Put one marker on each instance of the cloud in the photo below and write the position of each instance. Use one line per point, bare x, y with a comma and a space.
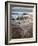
21, 10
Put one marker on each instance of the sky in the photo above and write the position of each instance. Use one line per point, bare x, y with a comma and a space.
19, 11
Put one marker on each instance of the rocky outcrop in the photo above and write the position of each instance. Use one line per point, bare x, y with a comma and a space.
22, 28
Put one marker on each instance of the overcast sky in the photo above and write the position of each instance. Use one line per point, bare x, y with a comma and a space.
21, 10
15, 11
